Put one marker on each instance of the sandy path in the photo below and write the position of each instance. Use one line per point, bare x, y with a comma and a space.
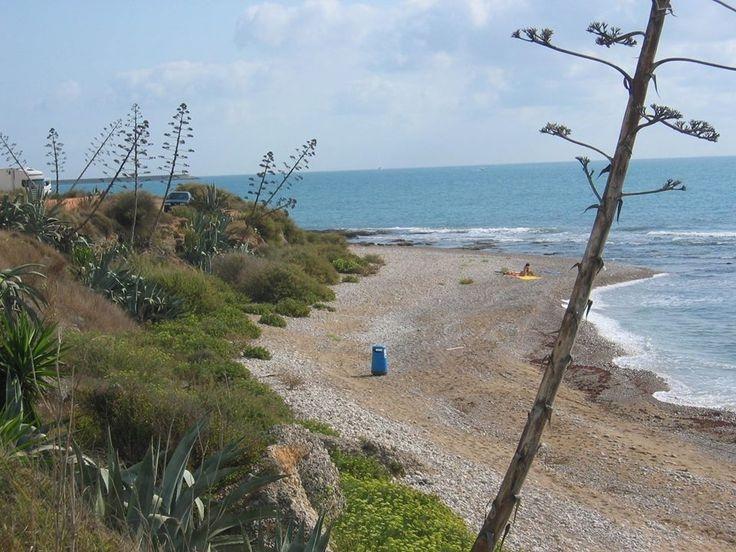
621, 472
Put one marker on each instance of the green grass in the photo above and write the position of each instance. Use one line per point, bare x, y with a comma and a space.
350, 279
30, 512
315, 426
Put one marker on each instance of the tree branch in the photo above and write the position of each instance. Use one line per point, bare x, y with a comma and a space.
608, 36
584, 161
544, 38
561, 131
719, 2
691, 60
697, 129
669, 186
659, 113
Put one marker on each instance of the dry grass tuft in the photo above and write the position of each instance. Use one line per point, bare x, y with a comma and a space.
70, 304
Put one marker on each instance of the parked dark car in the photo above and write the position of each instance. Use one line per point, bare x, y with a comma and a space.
177, 198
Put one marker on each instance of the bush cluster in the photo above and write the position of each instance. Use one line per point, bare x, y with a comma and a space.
385, 516
154, 383
291, 307
255, 351
121, 209
266, 281
270, 319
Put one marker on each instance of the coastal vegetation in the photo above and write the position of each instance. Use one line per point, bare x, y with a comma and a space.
384, 516
125, 399
608, 207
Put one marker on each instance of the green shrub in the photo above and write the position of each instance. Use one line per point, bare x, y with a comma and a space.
201, 293
347, 266
122, 209
372, 258
138, 410
315, 426
323, 306
292, 307
206, 370
350, 279
96, 355
144, 497
270, 319
266, 281
309, 258
359, 466
382, 516
257, 308
254, 351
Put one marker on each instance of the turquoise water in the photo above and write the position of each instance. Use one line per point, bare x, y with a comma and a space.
681, 325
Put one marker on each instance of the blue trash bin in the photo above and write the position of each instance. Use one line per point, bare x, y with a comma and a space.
379, 361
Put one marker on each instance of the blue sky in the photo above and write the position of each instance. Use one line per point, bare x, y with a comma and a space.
390, 84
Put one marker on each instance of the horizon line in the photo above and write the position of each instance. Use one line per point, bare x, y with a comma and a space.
408, 168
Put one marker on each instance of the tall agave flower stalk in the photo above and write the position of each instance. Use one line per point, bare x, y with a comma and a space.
56, 156
609, 202
177, 154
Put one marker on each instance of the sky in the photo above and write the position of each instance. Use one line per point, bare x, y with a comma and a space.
406, 83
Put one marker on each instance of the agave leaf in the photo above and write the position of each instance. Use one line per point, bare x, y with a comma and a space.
213, 530
252, 485
144, 484
174, 471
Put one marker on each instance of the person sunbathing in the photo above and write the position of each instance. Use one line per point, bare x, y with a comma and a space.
526, 271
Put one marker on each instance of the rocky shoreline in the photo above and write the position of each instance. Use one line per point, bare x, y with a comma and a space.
619, 470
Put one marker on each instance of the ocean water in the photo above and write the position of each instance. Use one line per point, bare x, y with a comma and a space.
681, 325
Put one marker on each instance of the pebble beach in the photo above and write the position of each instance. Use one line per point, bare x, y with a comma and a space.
618, 470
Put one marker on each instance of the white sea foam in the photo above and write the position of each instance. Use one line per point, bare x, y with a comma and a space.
691, 234
466, 236
642, 354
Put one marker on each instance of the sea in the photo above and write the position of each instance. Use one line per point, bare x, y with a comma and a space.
680, 325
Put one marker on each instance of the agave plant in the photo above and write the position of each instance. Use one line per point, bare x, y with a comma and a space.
166, 507
18, 437
19, 296
28, 214
293, 539
29, 353
143, 299
206, 237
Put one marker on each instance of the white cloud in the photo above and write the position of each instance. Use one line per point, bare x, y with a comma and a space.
423, 82
69, 90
